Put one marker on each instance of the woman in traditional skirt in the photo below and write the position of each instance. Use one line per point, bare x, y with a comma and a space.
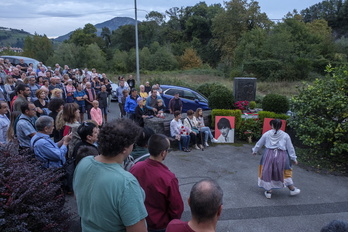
275, 170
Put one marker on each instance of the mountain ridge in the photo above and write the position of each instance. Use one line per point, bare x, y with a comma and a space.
112, 24
15, 37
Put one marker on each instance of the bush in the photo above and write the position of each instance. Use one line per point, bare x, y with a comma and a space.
221, 112
275, 103
252, 105
320, 118
268, 114
221, 99
31, 198
208, 88
250, 127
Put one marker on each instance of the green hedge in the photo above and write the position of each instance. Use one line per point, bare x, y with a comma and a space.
221, 112
268, 114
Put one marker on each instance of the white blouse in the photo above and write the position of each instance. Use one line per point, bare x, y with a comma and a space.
281, 141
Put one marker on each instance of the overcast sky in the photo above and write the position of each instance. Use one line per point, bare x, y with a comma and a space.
56, 18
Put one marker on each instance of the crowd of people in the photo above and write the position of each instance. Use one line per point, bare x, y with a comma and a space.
48, 109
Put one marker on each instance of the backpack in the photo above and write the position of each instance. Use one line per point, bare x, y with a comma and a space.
130, 161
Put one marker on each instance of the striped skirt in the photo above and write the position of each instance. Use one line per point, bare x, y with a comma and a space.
275, 170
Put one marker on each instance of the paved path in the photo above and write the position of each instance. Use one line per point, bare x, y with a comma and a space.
323, 198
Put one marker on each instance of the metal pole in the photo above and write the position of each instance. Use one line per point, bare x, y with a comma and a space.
136, 43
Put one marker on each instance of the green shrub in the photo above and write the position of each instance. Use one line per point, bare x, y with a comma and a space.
221, 99
275, 103
252, 105
222, 112
268, 114
320, 119
208, 88
250, 127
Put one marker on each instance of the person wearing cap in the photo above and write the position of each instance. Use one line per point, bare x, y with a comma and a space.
141, 112
131, 104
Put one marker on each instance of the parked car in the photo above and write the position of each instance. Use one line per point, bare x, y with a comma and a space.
190, 98
114, 91
15, 60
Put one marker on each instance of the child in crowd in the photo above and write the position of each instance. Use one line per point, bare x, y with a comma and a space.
160, 108
96, 113
125, 93
103, 102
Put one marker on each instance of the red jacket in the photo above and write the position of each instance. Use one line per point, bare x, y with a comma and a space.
163, 200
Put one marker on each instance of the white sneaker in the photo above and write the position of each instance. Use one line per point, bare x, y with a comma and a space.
268, 195
213, 140
197, 147
206, 144
294, 192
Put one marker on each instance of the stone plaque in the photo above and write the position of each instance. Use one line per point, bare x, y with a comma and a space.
244, 89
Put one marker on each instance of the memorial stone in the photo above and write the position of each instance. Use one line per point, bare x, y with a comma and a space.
244, 89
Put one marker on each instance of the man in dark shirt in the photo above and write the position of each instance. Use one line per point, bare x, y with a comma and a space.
131, 82
175, 104
24, 66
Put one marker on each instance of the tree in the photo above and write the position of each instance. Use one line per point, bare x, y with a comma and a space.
94, 57
123, 38
321, 114
163, 59
106, 35
190, 59
119, 61
67, 53
241, 17
156, 17
38, 47
85, 36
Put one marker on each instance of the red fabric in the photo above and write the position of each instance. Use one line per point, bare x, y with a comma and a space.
66, 130
177, 225
163, 200
12, 102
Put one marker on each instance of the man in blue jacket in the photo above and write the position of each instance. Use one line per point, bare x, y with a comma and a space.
131, 104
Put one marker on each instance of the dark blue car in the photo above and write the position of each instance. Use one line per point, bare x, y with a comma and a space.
190, 98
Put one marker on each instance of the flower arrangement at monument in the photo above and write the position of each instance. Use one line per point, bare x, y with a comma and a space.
242, 105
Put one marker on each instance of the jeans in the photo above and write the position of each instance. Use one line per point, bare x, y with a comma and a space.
207, 133
184, 142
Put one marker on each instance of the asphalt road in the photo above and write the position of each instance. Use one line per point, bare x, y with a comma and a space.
323, 198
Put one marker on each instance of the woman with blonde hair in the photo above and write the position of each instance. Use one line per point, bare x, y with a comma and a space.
204, 129
57, 93
41, 104
10, 87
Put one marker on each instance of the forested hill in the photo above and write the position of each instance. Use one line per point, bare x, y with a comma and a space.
12, 37
335, 12
112, 24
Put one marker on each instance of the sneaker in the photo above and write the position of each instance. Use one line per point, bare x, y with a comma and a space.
206, 144
197, 147
214, 140
201, 146
268, 195
295, 192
